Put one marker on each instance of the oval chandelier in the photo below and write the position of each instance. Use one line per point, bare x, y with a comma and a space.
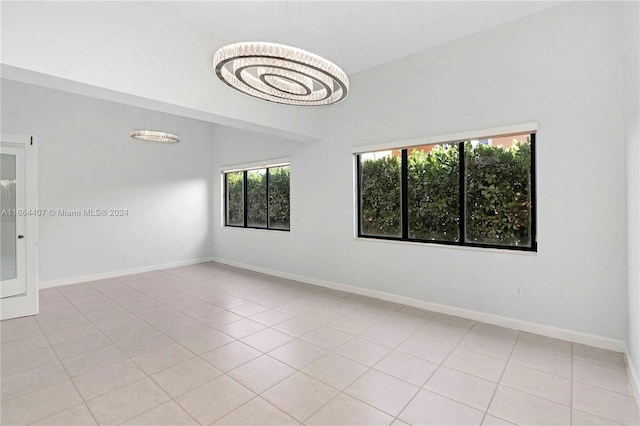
279, 73
154, 136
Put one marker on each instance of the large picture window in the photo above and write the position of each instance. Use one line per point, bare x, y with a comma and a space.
478, 192
258, 198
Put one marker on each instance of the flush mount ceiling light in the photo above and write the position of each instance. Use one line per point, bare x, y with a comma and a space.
154, 136
280, 73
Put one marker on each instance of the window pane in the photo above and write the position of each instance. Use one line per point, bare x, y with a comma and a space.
380, 194
235, 199
257, 198
433, 192
279, 197
8, 223
498, 191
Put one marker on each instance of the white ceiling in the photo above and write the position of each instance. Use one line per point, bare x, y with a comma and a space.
158, 54
356, 35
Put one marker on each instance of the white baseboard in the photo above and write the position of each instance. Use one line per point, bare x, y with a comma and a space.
545, 330
633, 374
119, 273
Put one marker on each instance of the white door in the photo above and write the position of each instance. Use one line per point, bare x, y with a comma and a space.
18, 227
12, 222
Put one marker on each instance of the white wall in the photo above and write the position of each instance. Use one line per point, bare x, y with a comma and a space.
560, 68
632, 136
87, 160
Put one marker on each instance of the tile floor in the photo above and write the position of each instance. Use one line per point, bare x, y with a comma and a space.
210, 344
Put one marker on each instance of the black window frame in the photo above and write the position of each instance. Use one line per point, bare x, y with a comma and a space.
245, 196
404, 203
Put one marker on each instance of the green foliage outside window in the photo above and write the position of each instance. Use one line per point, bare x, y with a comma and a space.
434, 198
257, 198
235, 199
498, 194
279, 203
380, 194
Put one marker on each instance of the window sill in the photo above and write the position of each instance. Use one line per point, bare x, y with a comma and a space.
449, 246
271, 231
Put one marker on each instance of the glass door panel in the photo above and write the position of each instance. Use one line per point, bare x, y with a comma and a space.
12, 223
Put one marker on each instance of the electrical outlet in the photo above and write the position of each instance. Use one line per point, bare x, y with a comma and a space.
519, 292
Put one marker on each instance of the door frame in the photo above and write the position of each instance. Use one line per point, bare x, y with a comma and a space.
28, 303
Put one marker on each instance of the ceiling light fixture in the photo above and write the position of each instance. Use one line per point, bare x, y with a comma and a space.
279, 73
154, 136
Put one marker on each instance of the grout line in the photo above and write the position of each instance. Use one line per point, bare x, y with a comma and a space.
571, 388
626, 395
332, 351
257, 395
597, 364
596, 416
513, 348
440, 364
235, 409
534, 395
369, 368
153, 408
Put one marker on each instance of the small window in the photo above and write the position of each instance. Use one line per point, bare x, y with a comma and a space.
279, 204
235, 198
498, 194
433, 190
258, 198
478, 192
380, 195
